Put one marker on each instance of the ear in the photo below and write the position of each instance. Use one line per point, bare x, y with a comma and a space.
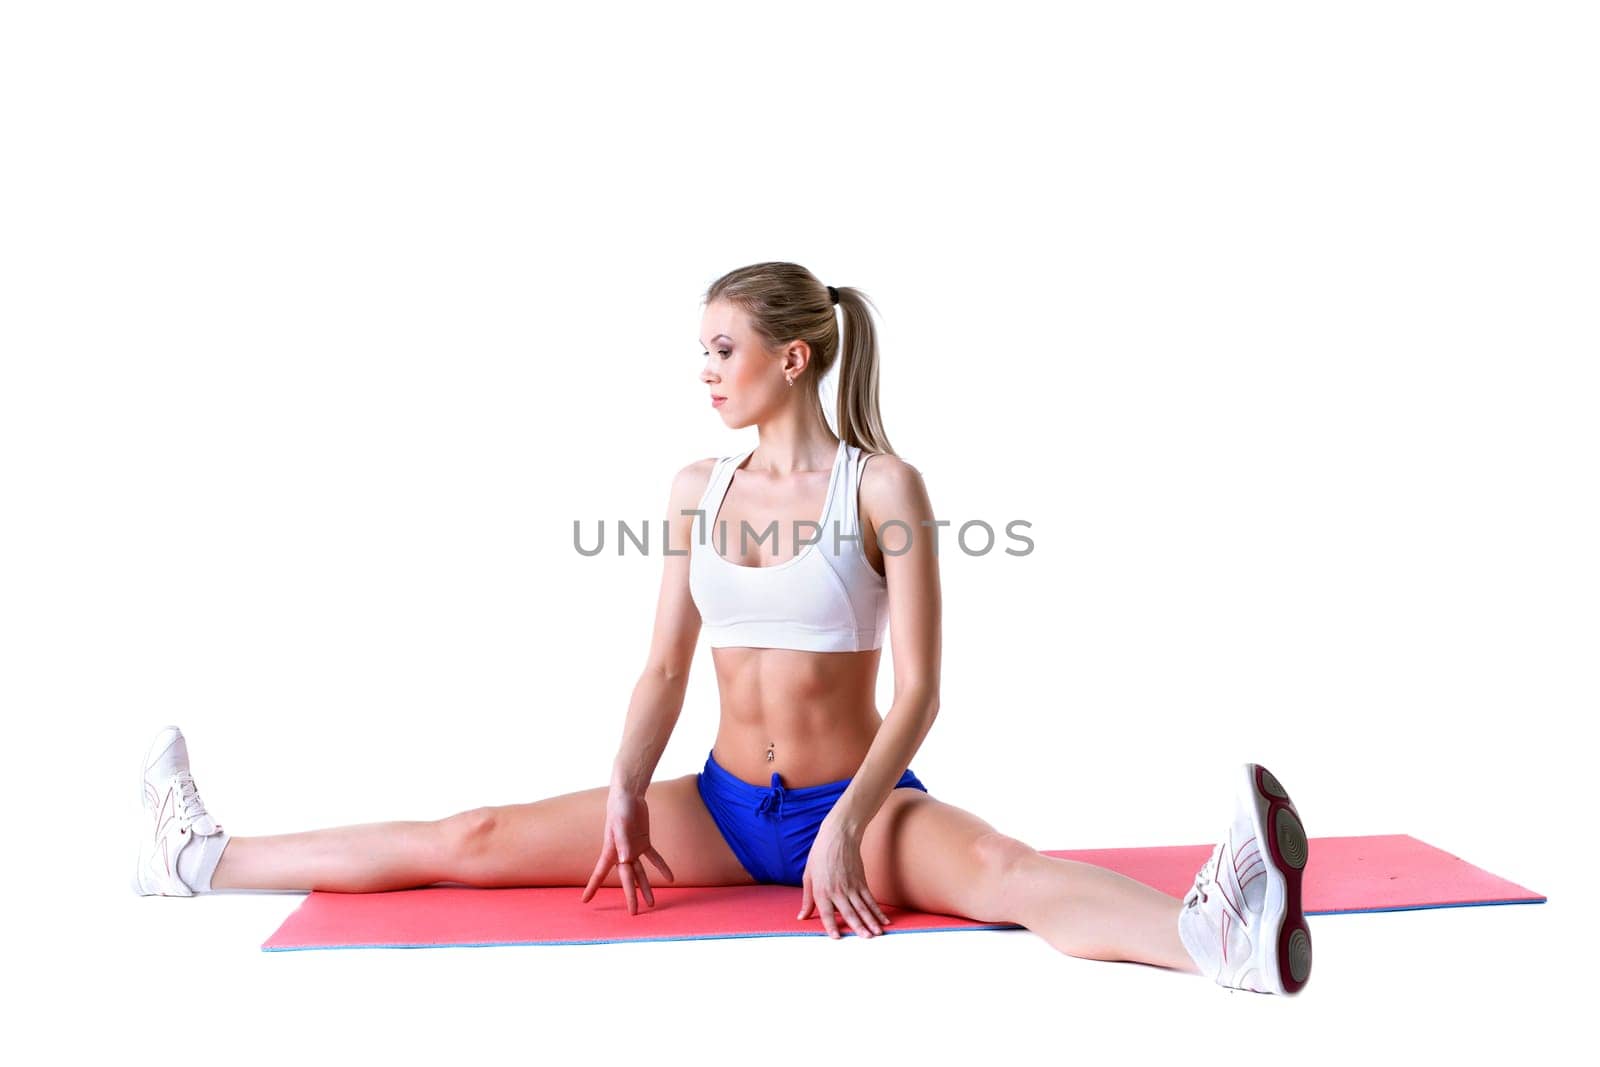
796, 357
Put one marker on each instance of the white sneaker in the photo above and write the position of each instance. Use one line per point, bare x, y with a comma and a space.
178, 817
1242, 920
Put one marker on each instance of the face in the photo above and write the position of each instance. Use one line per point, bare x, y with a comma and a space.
740, 368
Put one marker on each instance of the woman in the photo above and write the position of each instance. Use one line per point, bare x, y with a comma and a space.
796, 625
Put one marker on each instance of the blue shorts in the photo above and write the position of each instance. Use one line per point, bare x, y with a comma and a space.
771, 830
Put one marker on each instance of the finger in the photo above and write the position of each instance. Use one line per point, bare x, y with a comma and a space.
644, 882
805, 898
876, 909
858, 898
629, 890
848, 910
661, 864
600, 868
825, 909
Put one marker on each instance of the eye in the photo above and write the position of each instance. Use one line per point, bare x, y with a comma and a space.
723, 352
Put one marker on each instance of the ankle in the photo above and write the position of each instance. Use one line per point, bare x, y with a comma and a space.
197, 864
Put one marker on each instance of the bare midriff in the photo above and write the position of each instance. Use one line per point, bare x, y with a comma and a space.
814, 711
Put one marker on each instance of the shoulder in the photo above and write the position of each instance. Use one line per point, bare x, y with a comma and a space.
887, 469
891, 486
699, 470
691, 481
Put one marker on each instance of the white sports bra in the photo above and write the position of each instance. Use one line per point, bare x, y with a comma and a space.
826, 598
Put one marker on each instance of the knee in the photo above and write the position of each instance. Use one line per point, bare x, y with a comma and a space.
998, 856
1000, 862
468, 834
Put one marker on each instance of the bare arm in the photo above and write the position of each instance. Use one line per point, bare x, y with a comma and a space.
893, 489
658, 695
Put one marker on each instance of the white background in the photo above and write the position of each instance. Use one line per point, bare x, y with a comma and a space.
323, 322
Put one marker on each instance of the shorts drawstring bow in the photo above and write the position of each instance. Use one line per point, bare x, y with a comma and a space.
771, 830
772, 799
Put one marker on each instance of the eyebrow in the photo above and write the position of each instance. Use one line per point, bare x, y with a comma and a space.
719, 337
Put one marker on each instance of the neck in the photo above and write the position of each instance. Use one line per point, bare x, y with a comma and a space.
797, 439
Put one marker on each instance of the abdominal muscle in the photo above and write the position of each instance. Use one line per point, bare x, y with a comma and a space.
814, 710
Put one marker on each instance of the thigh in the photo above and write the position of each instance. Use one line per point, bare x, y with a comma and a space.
557, 841
927, 855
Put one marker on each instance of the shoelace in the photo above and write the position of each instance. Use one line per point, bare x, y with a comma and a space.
189, 797
1205, 877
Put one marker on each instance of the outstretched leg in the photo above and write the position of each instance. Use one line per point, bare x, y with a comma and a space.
925, 854
367, 858
550, 842
553, 842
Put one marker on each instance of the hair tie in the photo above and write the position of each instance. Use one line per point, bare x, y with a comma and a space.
833, 294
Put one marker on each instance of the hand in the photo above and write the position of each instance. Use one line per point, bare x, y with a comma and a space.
625, 845
834, 878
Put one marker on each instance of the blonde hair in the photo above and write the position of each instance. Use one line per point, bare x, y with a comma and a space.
788, 303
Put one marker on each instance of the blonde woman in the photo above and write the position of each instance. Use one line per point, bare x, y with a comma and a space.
806, 783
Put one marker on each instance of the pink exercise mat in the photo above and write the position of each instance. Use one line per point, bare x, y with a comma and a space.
1389, 872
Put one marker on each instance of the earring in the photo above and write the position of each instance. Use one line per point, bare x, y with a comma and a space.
788, 379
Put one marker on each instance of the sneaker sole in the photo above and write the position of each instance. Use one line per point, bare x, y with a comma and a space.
1285, 954
137, 881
